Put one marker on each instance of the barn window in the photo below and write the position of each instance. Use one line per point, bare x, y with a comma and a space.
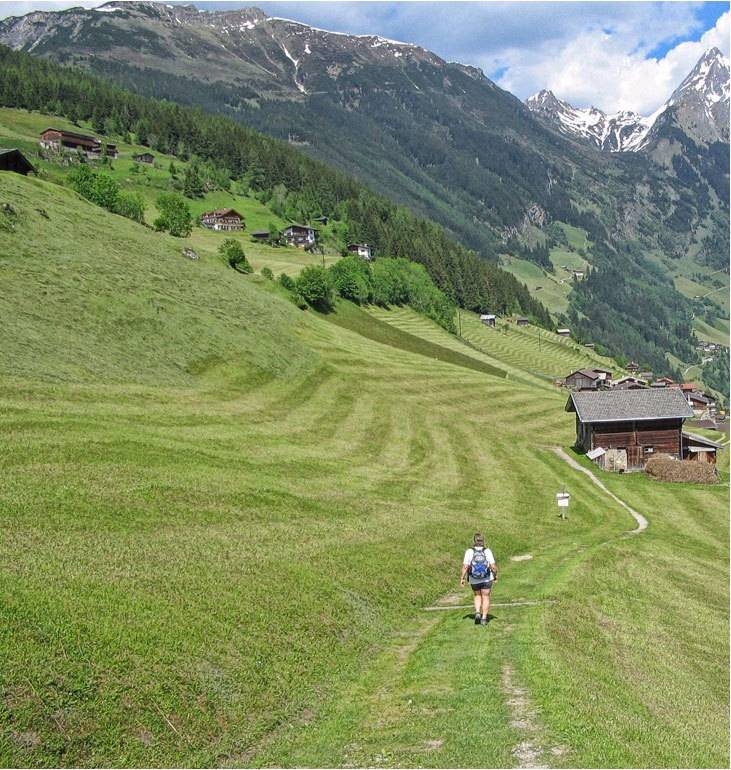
649, 450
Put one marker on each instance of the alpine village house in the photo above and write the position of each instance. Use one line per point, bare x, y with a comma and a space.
588, 379
302, 236
362, 250
621, 429
227, 220
56, 140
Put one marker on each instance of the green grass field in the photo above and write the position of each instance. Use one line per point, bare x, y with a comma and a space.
551, 290
223, 518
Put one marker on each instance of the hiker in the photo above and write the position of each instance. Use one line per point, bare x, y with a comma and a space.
479, 564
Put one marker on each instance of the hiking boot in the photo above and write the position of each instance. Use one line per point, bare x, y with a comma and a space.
477, 618
484, 621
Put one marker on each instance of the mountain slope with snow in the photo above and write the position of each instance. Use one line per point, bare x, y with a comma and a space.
616, 132
700, 107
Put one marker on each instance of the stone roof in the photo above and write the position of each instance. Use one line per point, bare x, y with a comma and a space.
620, 405
592, 374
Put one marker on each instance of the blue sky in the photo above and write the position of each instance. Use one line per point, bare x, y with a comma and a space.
614, 55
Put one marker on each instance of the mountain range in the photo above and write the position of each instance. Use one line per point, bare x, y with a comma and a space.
700, 105
443, 139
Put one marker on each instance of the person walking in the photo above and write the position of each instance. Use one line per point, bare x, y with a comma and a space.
480, 568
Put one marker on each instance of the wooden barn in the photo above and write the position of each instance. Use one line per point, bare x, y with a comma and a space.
699, 448
588, 379
488, 319
362, 250
225, 220
630, 426
629, 382
301, 236
56, 140
14, 160
144, 157
523, 322
563, 332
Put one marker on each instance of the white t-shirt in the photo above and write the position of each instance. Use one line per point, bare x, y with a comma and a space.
470, 552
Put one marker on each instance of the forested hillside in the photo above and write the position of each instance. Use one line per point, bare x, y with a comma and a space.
441, 139
267, 167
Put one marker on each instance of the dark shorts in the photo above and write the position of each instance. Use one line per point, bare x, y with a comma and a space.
480, 586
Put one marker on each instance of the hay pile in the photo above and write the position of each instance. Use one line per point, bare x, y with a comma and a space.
665, 468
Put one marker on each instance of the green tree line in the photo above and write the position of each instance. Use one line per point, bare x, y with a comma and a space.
260, 164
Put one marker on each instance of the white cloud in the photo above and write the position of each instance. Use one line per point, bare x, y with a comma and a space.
609, 70
21, 7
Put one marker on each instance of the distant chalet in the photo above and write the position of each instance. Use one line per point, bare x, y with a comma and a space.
226, 220
144, 157
14, 160
301, 236
488, 319
629, 382
362, 250
622, 429
523, 322
588, 379
55, 139
563, 332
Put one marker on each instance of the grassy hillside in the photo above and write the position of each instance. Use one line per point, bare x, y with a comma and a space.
20, 128
223, 518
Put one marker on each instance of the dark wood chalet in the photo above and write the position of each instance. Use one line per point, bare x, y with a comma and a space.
488, 319
227, 220
144, 157
588, 379
622, 429
56, 140
14, 160
523, 322
629, 382
302, 236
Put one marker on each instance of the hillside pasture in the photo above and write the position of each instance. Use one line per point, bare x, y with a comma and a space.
223, 518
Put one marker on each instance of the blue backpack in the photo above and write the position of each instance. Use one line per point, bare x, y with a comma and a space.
479, 568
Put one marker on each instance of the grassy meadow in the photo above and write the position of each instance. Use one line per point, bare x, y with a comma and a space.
223, 518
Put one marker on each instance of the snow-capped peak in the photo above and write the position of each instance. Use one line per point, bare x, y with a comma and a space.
700, 104
623, 130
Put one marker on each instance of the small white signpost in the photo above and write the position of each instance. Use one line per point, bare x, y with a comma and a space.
562, 498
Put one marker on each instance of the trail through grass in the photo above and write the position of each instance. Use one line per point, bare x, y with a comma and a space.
223, 517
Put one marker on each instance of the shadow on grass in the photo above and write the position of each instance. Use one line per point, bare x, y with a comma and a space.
350, 316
